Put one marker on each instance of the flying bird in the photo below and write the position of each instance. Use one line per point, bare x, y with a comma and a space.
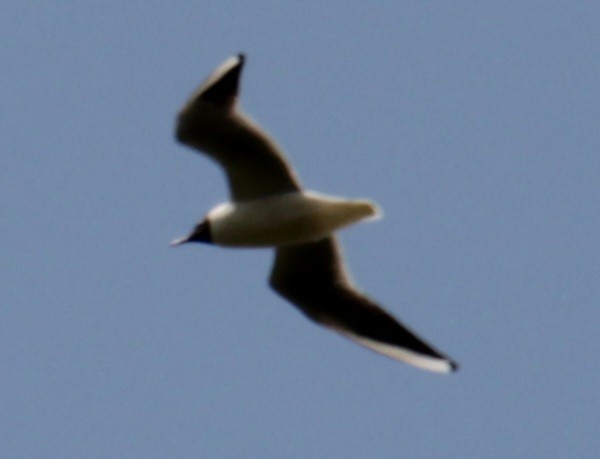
268, 207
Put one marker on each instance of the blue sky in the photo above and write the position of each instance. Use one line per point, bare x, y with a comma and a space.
474, 126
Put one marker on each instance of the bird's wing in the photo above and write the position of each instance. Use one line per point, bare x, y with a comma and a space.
312, 276
212, 123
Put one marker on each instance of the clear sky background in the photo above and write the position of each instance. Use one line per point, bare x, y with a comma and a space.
475, 126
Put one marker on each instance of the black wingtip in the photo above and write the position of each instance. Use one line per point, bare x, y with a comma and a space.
225, 86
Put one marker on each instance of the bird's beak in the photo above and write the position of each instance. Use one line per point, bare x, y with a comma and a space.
179, 241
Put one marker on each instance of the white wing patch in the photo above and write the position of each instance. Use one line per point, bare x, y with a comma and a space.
403, 354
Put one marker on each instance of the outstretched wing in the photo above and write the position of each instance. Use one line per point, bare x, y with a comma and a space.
312, 276
212, 123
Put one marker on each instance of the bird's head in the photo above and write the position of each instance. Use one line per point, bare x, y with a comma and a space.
201, 233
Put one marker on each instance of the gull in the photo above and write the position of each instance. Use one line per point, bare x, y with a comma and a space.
268, 207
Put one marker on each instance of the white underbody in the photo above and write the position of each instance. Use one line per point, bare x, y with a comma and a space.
290, 218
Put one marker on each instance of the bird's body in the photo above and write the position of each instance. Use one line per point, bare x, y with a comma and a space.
269, 208
282, 219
